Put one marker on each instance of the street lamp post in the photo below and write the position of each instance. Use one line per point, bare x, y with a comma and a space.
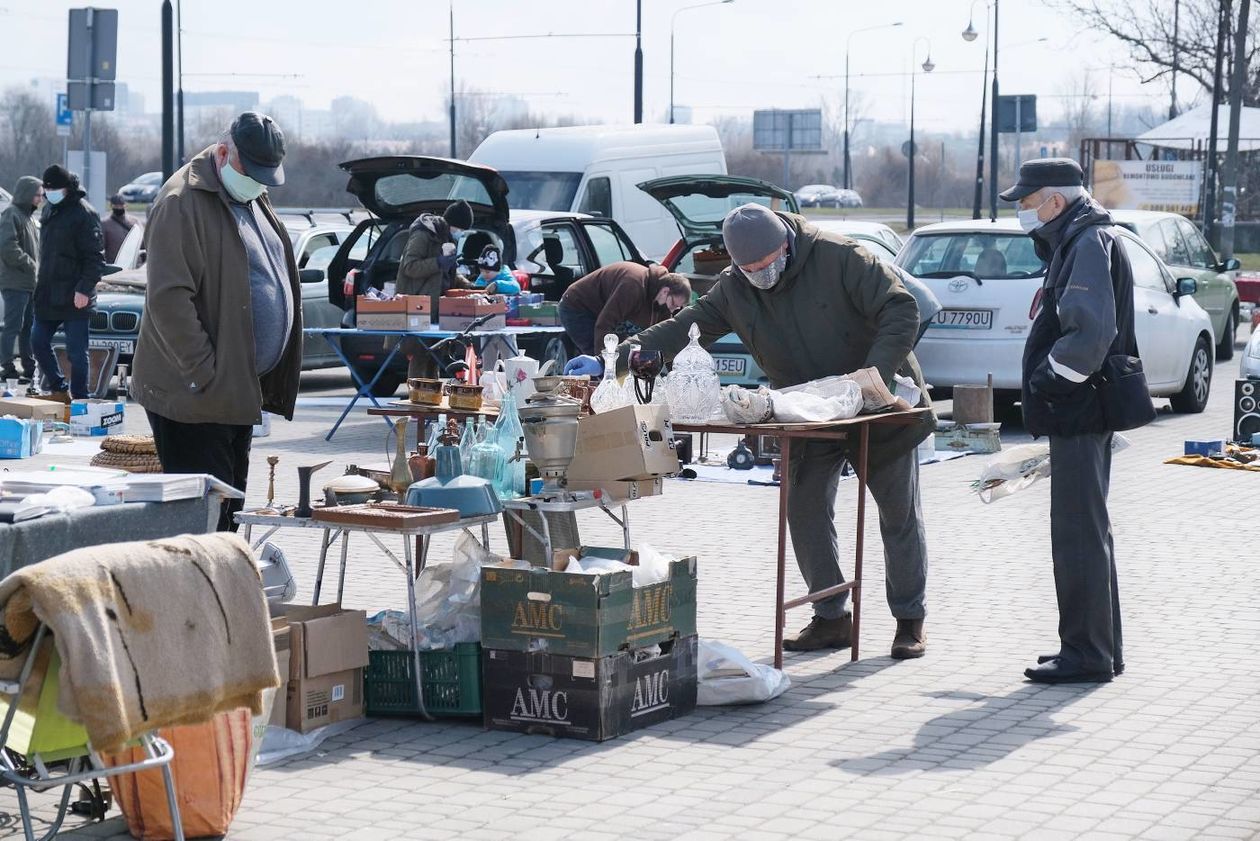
848, 177
638, 61
970, 34
672, 20
452, 15
928, 67
993, 120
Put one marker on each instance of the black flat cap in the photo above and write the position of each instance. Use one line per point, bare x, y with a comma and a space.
260, 144
1045, 172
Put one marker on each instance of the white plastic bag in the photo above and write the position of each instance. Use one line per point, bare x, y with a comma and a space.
728, 677
653, 567
448, 596
1013, 470
818, 401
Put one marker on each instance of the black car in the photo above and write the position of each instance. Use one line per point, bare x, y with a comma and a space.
398, 189
142, 190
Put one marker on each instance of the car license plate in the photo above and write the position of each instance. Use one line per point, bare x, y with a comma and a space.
124, 346
733, 365
964, 319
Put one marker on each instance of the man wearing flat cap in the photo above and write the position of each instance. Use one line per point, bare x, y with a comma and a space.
1084, 318
809, 304
221, 339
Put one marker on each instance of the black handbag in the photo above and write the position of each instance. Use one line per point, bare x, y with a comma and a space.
1122, 391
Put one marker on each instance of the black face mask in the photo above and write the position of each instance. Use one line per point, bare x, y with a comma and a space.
120, 212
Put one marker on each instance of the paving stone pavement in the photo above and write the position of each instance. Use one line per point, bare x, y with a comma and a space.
956, 745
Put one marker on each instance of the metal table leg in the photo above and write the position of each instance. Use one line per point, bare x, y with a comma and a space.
325, 541
863, 440
485, 536
414, 622
341, 579
364, 389
785, 481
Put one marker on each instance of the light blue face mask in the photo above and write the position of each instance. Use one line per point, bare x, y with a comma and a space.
240, 187
54, 196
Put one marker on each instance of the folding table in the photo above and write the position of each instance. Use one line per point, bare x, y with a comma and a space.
842, 430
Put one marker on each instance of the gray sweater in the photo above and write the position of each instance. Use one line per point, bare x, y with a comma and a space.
270, 297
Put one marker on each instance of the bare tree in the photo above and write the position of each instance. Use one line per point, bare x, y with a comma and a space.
29, 137
1080, 111
1146, 28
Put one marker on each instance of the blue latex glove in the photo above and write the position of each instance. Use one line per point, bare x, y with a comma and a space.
446, 262
584, 366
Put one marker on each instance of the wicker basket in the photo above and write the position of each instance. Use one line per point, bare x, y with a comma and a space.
133, 453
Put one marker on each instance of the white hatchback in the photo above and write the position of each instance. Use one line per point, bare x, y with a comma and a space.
988, 276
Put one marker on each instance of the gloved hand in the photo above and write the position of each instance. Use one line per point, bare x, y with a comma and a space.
580, 366
446, 262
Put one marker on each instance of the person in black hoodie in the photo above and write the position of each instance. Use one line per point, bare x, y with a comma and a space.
1084, 315
71, 261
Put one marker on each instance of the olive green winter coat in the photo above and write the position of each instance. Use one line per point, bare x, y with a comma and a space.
836, 309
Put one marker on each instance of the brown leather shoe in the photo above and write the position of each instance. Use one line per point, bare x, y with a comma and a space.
910, 641
822, 633
56, 397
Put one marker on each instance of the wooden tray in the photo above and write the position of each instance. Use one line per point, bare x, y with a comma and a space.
386, 515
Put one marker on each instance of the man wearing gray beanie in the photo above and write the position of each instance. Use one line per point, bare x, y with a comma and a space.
809, 304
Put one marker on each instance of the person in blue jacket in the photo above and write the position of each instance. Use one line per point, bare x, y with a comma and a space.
493, 275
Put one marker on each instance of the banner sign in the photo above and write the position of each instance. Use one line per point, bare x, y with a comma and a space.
1171, 186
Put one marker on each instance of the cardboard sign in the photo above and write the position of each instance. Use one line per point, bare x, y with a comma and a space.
631, 443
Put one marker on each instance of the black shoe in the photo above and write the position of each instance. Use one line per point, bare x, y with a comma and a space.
1117, 669
1055, 670
822, 633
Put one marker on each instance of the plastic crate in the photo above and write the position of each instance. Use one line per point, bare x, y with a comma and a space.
452, 682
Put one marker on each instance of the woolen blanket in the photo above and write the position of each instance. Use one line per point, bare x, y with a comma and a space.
150, 634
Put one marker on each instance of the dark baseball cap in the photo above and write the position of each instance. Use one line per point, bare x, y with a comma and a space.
260, 145
1045, 172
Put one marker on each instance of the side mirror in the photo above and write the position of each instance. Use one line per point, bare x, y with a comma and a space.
1233, 264
1186, 286
311, 275
142, 258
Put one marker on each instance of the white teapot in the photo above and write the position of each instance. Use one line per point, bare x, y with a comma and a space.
520, 371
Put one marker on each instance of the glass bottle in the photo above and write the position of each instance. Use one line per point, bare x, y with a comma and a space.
435, 432
609, 394
400, 474
510, 483
466, 441
487, 456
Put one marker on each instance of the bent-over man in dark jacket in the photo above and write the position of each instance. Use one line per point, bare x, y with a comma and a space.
621, 298
809, 304
1085, 314
71, 261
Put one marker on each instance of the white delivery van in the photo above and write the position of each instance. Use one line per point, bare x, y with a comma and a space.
594, 169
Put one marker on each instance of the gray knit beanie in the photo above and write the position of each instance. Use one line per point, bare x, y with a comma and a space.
752, 232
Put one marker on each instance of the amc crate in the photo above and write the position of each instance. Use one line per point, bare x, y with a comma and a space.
584, 615
589, 698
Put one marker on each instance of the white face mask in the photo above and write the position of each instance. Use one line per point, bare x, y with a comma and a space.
240, 187
54, 196
1028, 219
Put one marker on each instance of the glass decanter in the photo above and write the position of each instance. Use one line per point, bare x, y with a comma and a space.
692, 387
610, 394
510, 483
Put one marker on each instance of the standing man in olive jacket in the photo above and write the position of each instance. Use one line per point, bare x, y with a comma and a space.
71, 261
1085, 314
19, 256
221, 339
809, 304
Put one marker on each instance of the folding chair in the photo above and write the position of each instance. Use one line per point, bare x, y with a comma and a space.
43, 737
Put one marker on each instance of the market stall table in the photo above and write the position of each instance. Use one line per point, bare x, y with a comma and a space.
31, 541
841, 430
411, 565
422, 412
486, 338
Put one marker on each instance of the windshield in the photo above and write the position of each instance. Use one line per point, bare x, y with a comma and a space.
150, 178
541, 190
700, 209
984, 255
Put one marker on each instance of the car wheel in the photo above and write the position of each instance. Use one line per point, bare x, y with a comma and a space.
1193, 397
1225, 350
556, 351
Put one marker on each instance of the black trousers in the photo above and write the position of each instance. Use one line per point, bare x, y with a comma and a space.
1084, 553
220, 449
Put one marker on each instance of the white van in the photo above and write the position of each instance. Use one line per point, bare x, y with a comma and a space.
594, 169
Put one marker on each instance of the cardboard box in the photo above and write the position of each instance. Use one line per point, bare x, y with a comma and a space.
630, 443
460, 323
32, 407
97, 417
280, 638
392, 321
408, 304
583, 698
472, 306
327, 656
583, 615
619, 490
560, 557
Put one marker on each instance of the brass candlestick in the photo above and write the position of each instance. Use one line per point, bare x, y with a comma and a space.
272, 461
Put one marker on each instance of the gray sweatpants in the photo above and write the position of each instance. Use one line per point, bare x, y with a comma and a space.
811, 517
1084, 553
